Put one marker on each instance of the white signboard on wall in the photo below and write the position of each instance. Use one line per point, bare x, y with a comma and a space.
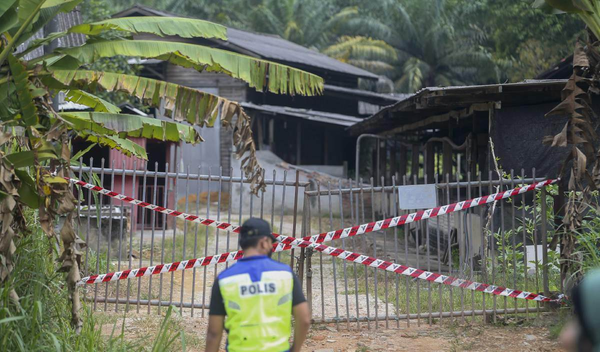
417, 197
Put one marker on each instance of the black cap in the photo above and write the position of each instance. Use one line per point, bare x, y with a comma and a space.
255, 227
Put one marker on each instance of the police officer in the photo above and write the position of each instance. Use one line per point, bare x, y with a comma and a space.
254, 299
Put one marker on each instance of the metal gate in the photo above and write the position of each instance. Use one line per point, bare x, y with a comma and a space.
120, 236
503, 248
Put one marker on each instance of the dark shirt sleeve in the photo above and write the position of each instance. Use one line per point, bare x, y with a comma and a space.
217, 306
297, 295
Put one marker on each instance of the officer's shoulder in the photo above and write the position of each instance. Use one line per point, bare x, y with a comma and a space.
279, 265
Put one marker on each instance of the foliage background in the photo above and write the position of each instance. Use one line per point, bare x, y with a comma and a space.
506, 41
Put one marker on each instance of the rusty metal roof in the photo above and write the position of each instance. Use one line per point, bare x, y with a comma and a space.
267, 46
431, 102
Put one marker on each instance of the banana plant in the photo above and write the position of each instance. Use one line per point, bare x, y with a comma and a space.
35, 138
579, 132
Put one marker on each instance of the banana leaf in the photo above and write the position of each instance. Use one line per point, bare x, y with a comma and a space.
181, 103
257, 73
123, 145
90, 100
125, 125
161, 26
22, 84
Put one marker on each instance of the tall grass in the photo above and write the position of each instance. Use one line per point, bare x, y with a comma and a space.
41, 322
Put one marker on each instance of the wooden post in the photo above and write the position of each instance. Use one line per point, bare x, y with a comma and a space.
393, 162
415, 162
401, 163
447, 159
429, 162
382, 160
298, 143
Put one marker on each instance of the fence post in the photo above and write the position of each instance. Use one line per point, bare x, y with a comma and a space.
544, 216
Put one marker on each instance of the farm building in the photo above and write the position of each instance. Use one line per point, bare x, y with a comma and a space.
450, 130
299, 130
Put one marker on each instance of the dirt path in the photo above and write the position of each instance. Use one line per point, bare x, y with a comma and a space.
326, 338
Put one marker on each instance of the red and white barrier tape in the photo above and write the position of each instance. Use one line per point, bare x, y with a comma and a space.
286, 242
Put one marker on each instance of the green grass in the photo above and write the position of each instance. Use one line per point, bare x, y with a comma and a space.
41, 322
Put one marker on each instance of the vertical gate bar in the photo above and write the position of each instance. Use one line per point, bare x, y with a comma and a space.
121, 204
354, 222
524, 246
273, 200
344, 263
544, 229
417, 238
229, 209
241, 208
535, 243
461, 250
484, 247
164, 235
282, 208
131, 232
153, 233
262, 199
99, 225
366, 246
503, 245
185, 230
397, 277
219, 217
251, 204
470, 241
300, 264
306, 217
428, 257
80, 199
206, 242
88, 227
406, 279
385, 273
439, 245
295, 216
375, 283
320, 253
196, 229
492, 240
109, 238
450, 260
335, 292
174, 185
514, 237
143, 228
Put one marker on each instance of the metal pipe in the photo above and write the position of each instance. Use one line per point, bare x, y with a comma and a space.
439, 185
434, 315
153, 302
194, 176
357, 163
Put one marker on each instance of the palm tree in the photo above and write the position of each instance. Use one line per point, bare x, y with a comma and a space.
367, 53
433, 51
35, 138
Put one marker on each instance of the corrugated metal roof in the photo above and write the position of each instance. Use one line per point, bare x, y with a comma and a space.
435, 101
268, 46
64, 22
311, 115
